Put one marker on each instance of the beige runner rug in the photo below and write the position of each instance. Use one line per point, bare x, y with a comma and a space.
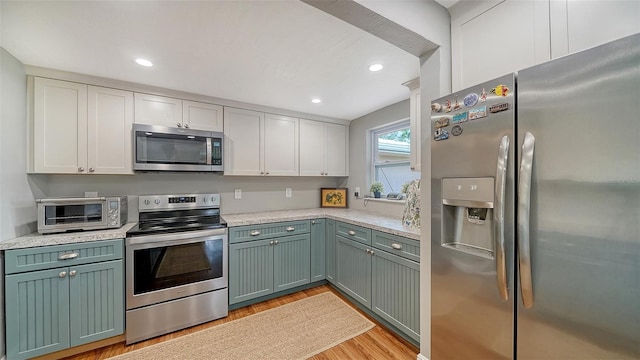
297, 330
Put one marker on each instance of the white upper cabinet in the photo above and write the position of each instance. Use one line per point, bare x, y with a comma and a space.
493, 38
496, 37
281, 140
243, 142
166, 111
324, 149
109, 131
579, 25
80, 129
202, 116
158, 110
259, 144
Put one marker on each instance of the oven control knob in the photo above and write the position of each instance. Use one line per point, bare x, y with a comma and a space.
157, 201
204, 199
147, 202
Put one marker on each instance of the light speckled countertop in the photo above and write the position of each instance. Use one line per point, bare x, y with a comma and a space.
371, 220
368, 219
36, 239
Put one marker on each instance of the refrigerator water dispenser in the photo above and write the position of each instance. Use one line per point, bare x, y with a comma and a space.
467, 215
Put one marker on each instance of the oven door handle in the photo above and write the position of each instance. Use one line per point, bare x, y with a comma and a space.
175, 238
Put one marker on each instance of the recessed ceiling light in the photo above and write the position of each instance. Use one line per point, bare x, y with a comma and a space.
375, 67
316, 101
144, 62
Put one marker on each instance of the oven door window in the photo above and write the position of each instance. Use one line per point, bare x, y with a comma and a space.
73, 214
170, 266
160, 148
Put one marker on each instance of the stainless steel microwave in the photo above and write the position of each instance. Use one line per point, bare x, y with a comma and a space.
92, 213
162, 148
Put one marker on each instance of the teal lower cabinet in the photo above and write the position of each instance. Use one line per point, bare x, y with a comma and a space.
354, 269
54, 309
381, 272
267, 264
330, 250
395, 291
318, 244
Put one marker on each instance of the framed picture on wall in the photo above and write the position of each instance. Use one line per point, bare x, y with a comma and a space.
333, 197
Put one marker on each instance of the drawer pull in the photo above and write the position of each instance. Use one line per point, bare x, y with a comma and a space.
275, 242
62, 274
351, 232
68, 256
255, 233
271, 242
396, 246
290, 228
72, 273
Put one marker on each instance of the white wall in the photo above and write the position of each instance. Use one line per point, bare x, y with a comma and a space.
17, 207
360, 157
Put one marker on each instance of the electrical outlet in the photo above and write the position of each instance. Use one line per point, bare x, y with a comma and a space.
287, 192
357, 193
237, 194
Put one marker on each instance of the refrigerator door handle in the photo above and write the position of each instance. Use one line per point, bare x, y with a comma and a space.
498, 217
524, 203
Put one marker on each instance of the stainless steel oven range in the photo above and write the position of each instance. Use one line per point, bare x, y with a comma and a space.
176, 265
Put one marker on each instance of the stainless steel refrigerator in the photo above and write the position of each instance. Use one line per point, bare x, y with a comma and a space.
536, 212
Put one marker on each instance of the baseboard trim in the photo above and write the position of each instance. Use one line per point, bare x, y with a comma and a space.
422, 357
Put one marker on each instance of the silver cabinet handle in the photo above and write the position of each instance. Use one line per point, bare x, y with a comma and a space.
313, 222
498, 217
261, 172
80, 169
255, 233
351, 232
179, 125
92, 169
186, 126
396, 246
367, 251
68, 256
371, 252
290, 228
62, 274
72, 273
524, 204
271, 242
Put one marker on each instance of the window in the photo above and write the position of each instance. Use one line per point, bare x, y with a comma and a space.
391, 156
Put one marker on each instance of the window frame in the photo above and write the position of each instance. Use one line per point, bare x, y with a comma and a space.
374, 134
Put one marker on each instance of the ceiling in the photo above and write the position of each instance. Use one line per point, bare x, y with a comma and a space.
273, 53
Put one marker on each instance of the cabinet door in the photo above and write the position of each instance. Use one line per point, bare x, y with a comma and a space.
201, 116
110, 115
353, 262
291, 261
158, 110
250, 270
311, 148
60, 127
318, 251
330, 250
395, 291
336, 161
96, 301
243, 142
280, 145
37, 313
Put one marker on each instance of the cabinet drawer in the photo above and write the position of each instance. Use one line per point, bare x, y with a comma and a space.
266, 231
354, 232
397, 245
49, 257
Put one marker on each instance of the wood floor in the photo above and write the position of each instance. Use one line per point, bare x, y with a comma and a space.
377, 343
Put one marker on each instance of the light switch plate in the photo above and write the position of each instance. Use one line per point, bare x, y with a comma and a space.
288, 192
237, 194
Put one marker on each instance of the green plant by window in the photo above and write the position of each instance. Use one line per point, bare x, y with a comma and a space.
376, 187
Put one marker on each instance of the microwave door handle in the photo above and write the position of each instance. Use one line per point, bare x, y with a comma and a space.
209, 151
